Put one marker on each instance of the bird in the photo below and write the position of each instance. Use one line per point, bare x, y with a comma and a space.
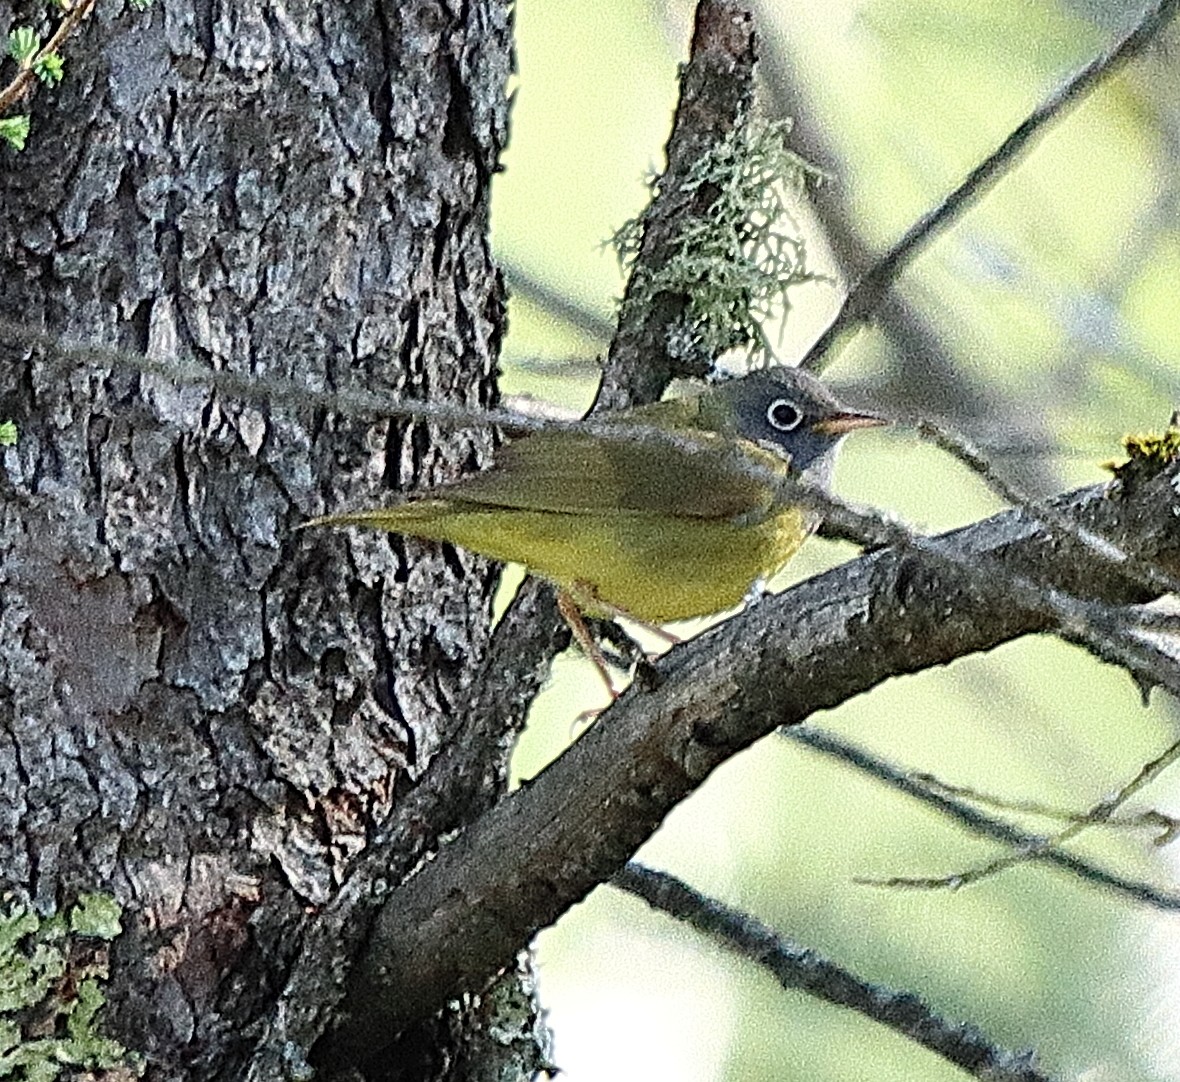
657, 513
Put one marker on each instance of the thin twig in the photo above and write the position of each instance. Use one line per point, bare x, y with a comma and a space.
1166, 827
1105, 631
967, 453
980, 823
867, 293
796, 966
252, 387
20, 86
351, 402
1039, 847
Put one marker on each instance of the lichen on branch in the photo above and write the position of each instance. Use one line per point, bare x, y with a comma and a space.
736, 264
52, 973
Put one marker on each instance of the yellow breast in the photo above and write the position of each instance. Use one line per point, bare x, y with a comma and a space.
655, 568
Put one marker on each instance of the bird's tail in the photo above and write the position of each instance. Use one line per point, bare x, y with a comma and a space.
410, 517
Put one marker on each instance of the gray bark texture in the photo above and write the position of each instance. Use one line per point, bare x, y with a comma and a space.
203, 711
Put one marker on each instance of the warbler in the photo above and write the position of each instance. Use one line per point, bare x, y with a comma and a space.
659, 513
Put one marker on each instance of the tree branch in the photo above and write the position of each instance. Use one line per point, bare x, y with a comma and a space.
546, 846
796, 966
970, 456
980, 823
716, 92
866, 295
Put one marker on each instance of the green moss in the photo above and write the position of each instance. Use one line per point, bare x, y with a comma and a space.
14, 130
52, 972
1161, 450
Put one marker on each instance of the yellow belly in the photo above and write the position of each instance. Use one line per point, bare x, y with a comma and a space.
657, 569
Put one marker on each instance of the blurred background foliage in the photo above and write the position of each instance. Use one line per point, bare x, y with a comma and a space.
1042, 325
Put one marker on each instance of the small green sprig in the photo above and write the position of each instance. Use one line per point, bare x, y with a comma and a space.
7, 433
23, 43
1148, 454
48, 68
14, 130
24, 46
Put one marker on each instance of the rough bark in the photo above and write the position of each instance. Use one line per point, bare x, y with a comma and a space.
203, 711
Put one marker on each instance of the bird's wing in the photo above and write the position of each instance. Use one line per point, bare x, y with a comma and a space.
698, 475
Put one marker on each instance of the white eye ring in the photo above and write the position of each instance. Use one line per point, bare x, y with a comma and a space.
784, 415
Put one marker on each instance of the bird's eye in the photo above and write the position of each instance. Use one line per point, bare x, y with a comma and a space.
784, 415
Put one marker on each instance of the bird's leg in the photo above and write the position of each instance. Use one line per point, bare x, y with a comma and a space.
583, 596
588, 598
572, 614
651, 629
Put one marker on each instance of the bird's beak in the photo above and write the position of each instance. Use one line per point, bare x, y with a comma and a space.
840, 424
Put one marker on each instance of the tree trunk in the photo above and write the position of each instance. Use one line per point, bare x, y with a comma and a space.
204, 712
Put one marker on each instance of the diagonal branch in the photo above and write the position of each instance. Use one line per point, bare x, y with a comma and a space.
796, 966
866, 295
971, 457
1031, 846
